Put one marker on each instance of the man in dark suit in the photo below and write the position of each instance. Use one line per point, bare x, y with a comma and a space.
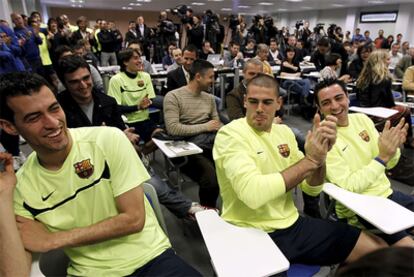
131, 35
179, 77
83, 32
143, 35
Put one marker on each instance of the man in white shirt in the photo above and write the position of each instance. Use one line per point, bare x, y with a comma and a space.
395, 55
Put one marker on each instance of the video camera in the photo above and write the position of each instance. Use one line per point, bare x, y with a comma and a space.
233, 21
319, 27
268, 21
298, 24
210, 18
181, 12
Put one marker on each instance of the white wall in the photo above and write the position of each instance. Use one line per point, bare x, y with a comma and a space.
5, 11
348, 19
389, 28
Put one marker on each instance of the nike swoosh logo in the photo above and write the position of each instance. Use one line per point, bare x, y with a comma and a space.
44, 198
259, 152
345, 148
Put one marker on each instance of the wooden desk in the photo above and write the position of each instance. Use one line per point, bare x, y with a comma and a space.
237, 251
386, 215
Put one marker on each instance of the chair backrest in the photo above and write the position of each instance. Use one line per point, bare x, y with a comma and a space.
238, 251
54, 263
151, 194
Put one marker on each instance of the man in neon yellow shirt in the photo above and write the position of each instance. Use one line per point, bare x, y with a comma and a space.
258, 164
360, 156
132, 89
80, 190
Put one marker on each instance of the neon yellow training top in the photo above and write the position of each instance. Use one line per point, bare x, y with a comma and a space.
101, 165
249, 165
350, 163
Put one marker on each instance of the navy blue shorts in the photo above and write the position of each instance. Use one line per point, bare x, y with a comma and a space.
166, 264
315, 241
144, 129
404, 200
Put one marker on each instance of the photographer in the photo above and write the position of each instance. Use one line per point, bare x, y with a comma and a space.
166, 29
272, 30
195, 32
214, 32
258, 29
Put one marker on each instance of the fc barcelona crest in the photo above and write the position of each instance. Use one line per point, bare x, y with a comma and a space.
84, 169
284, 150
364, 135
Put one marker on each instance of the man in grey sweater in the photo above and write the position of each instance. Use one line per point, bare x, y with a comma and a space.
191, 112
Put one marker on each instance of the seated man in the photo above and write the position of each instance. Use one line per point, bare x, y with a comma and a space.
147, 67
205, 50
360, 156
133, 91
177, 58
408, 81
180, 76
404, 63
236, 109
83, 106
233, 57
191, 113
12, 250
80, 190
258, 164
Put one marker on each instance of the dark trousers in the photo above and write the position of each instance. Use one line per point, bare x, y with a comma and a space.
166, 264
200, 168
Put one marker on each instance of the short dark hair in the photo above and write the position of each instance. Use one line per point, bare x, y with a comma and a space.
263, 80
126, 55
327, 83
324, 41
17, 84
35, 13
331, 59
201, 67
290, 49
81, 19
70, 64
190, 48
233, 42
62, 49
364, 48
204, 43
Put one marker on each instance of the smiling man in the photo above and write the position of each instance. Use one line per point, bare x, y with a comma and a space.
80, 190
190, 112
360, 156
258, 164
132, 89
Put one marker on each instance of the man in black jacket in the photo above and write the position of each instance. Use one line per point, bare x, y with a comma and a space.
179, 77
108, 42
325, 47
143, 36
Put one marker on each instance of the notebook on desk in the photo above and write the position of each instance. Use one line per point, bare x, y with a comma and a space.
181, 147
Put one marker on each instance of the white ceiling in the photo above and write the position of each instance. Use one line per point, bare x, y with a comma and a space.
229, 6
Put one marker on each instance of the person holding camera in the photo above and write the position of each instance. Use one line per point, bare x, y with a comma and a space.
195, 32
166, 29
